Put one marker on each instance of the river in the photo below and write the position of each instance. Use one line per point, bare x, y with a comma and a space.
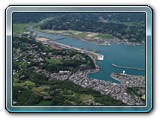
120, 54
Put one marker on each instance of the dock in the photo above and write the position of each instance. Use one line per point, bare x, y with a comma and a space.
124, 67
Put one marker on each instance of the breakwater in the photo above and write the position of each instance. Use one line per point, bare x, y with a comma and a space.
125, 67
121, 54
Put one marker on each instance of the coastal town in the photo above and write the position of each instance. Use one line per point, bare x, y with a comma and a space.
80, 76
117, 91
56, 45
78, 59
129, 80
97, 38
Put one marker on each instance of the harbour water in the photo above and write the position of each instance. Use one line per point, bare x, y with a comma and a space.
119, 54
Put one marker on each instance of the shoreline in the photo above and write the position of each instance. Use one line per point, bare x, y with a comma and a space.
72, 36
129, 80
116, 91
89, 53
103, 44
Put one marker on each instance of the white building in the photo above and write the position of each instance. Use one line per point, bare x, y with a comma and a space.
124, 71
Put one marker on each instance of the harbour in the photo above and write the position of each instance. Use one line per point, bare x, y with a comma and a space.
121, 54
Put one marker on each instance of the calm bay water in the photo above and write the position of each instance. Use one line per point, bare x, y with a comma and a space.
120, 54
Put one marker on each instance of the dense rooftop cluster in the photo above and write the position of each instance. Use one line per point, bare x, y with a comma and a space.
36, 84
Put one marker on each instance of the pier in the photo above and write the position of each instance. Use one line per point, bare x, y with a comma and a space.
132, 68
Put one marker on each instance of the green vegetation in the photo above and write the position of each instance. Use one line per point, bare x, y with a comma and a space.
18, 29
36, 26
129, 23
133, 24
134, 91
137, 91
32, 87
114, 24
33, 62
46, 20
61, 93
86, 98
72, 94
54, 61
82, 34
105, 36
44, 103
72, 63
23, 96
23, 83
43, 89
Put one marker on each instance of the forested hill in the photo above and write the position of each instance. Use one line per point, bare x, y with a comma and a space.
21, 17
130, 26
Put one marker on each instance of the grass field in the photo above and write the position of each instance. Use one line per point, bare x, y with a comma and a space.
133, 24
21, 84
85, 97
42, 89
54, 61
104, 36
18, 29
45, 103
83, 34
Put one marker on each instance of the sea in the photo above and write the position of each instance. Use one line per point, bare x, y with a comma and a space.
119, 54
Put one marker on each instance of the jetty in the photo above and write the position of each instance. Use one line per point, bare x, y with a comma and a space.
125, 67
